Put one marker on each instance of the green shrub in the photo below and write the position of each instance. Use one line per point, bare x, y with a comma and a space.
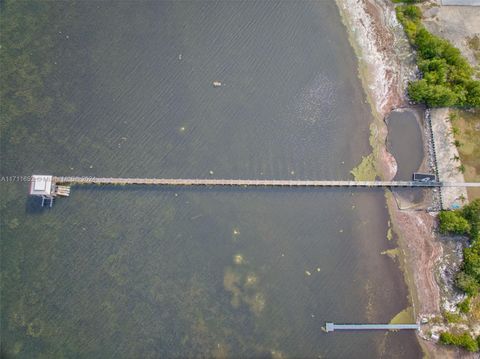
451, 317
473, 93
471, 260
466, 221
471, 213
412, 12
467, 342
467, 283
431, 94
463, 340
464, 306
410, 19
453, 222
447, 338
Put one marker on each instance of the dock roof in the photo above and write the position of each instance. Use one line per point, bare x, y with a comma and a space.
41, 185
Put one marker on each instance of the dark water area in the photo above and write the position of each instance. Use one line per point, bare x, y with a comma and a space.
187, 272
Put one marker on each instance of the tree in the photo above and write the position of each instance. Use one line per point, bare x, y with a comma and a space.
446, 75
467, 283
431, 94
412, 12
471, 213
434, 70
428, 45
453, 222
418, 90
471, 261
473, 93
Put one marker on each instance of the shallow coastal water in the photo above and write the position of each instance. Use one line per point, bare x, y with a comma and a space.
405, 142
183, 272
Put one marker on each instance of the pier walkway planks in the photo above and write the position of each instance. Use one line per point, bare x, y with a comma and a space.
253, 183
331, 327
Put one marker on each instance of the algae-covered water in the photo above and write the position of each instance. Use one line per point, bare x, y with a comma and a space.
125, 89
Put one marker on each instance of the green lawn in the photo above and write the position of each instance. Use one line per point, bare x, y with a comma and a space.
467, 130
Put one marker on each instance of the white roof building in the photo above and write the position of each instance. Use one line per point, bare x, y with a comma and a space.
41, 185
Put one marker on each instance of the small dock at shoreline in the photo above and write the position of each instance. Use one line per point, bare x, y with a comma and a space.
331, 327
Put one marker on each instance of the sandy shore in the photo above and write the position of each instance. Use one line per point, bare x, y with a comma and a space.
386, 65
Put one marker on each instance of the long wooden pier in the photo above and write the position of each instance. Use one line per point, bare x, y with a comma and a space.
253, 183
330, 327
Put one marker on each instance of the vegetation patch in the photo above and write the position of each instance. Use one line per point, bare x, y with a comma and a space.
392, 253
389, 234
463, 340
452, 317
464, 306
404, 317
365, 171
446, 75
466, 221
453, 222
466, 129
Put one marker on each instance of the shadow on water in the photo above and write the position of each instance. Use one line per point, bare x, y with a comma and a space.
33, 205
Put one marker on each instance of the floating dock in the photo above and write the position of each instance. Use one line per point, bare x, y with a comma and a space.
63, 191
331, 327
